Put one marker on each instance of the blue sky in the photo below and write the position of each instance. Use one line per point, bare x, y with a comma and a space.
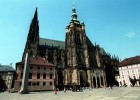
113, 24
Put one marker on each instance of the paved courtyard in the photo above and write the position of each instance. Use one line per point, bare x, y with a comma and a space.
122, 93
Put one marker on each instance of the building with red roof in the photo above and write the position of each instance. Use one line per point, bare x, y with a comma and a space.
129, 69
41, 75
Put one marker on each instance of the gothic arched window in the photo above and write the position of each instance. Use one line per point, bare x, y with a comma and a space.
78, 38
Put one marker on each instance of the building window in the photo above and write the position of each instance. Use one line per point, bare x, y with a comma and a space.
44, 83
44, 76
33, 84
31, 67
29, 83
132, 71
78, 38
38, 75
37, 83
50, 83
50, 76
128, 72
21, 75
20, 83
30, 75
50, 68
39, 68
44, 68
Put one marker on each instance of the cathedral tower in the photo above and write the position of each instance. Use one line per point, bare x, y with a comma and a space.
77, 58
33, 37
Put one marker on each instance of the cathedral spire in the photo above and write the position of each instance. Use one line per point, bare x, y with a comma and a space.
35, 15
33, 34
33, 37
74, 16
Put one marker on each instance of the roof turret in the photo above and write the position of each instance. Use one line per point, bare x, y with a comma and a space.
74, 17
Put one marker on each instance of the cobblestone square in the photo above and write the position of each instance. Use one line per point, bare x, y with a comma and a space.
117, 93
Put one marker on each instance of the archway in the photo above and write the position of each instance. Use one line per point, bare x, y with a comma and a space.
98, 81
94, 82
83, 78
102, 82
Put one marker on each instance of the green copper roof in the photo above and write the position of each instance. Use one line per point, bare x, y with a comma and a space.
5, 68
43, 41
74, 16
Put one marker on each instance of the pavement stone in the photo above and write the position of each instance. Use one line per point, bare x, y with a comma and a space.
117, 93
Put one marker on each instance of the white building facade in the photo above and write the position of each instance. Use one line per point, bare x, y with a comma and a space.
129, 69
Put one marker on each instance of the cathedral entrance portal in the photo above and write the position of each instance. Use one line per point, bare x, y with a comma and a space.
83, 78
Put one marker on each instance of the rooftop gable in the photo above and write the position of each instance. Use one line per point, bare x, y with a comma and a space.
130, 61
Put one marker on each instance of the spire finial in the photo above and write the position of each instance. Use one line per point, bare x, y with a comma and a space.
35, 15
73, 9
74, 15
73, 3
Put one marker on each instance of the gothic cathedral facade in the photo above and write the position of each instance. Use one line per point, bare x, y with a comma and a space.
77, 61
80, 53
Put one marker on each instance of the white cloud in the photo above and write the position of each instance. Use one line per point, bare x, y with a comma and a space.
131, 34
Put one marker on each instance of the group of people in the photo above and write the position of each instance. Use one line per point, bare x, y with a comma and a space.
65, 90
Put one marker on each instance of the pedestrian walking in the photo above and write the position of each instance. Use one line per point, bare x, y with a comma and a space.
110, 87
64, 89
55, 91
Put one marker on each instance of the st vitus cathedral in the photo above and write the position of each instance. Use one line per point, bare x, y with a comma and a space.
77, 61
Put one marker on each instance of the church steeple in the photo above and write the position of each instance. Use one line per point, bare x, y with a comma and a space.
74, 17
35, 15
76, 47
33, 35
